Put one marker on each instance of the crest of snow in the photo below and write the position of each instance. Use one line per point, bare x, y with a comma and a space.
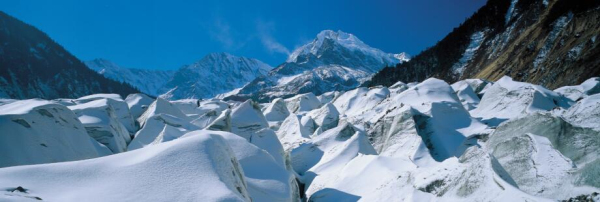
476, 40
402, 57
105, 120
346, 40
557, 27
138, 103
585, 113
276, 111
508, 99
302, 103
200, 166
266, 177
575, 93
38, 131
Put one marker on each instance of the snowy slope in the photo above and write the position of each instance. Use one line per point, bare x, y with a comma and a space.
333, 61
145, 80
200, 167
214, 74
38, 131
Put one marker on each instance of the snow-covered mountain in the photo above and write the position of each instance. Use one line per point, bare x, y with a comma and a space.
214, 74
32, 65
429, 141
147, 81
332, 61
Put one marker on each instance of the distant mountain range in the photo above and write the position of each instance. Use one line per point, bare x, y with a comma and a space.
333, 61
214, 74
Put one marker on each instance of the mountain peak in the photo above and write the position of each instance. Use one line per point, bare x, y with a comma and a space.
332, 41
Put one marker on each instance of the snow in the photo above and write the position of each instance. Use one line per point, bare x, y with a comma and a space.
578, 92
508, 99
101, 121
510, 13
476, 40
473, 140
146, 80
267, 178
216, 73
302, 103
202, 166
276, 111
557, 27
138, 103
38, 131
542, 152
585, 113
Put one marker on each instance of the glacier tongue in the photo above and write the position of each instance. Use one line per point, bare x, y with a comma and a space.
473, 140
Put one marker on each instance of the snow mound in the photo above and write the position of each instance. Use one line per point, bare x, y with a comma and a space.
578, 92
357, 101
138, 103
202, 166
162, 122
101, 121
507, 99
444, 125
585, 113
266, 177
319, 160
276, 111
328, 97
302, 103
542, 152
326, 117
468, 97
292, 132
38, 131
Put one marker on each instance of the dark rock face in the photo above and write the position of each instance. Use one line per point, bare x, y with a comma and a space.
551, 43
34, 66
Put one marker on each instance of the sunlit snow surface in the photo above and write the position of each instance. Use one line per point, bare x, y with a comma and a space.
473, 140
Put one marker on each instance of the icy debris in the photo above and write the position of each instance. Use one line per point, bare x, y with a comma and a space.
508, 99
541, 152
138, 103
585, 113
162, 122
302, 103
101, 121
319, 160
328, 97
247, 118
578, 92
292, 132
467, 95
266, 177
201, 166
38, 131
326, 117
357, 101
276, 111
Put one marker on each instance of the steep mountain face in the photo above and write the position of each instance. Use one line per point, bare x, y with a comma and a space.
332, 61
147, 81
546, 42
34, 66
216, 73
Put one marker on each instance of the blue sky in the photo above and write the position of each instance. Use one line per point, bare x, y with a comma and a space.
168, 34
